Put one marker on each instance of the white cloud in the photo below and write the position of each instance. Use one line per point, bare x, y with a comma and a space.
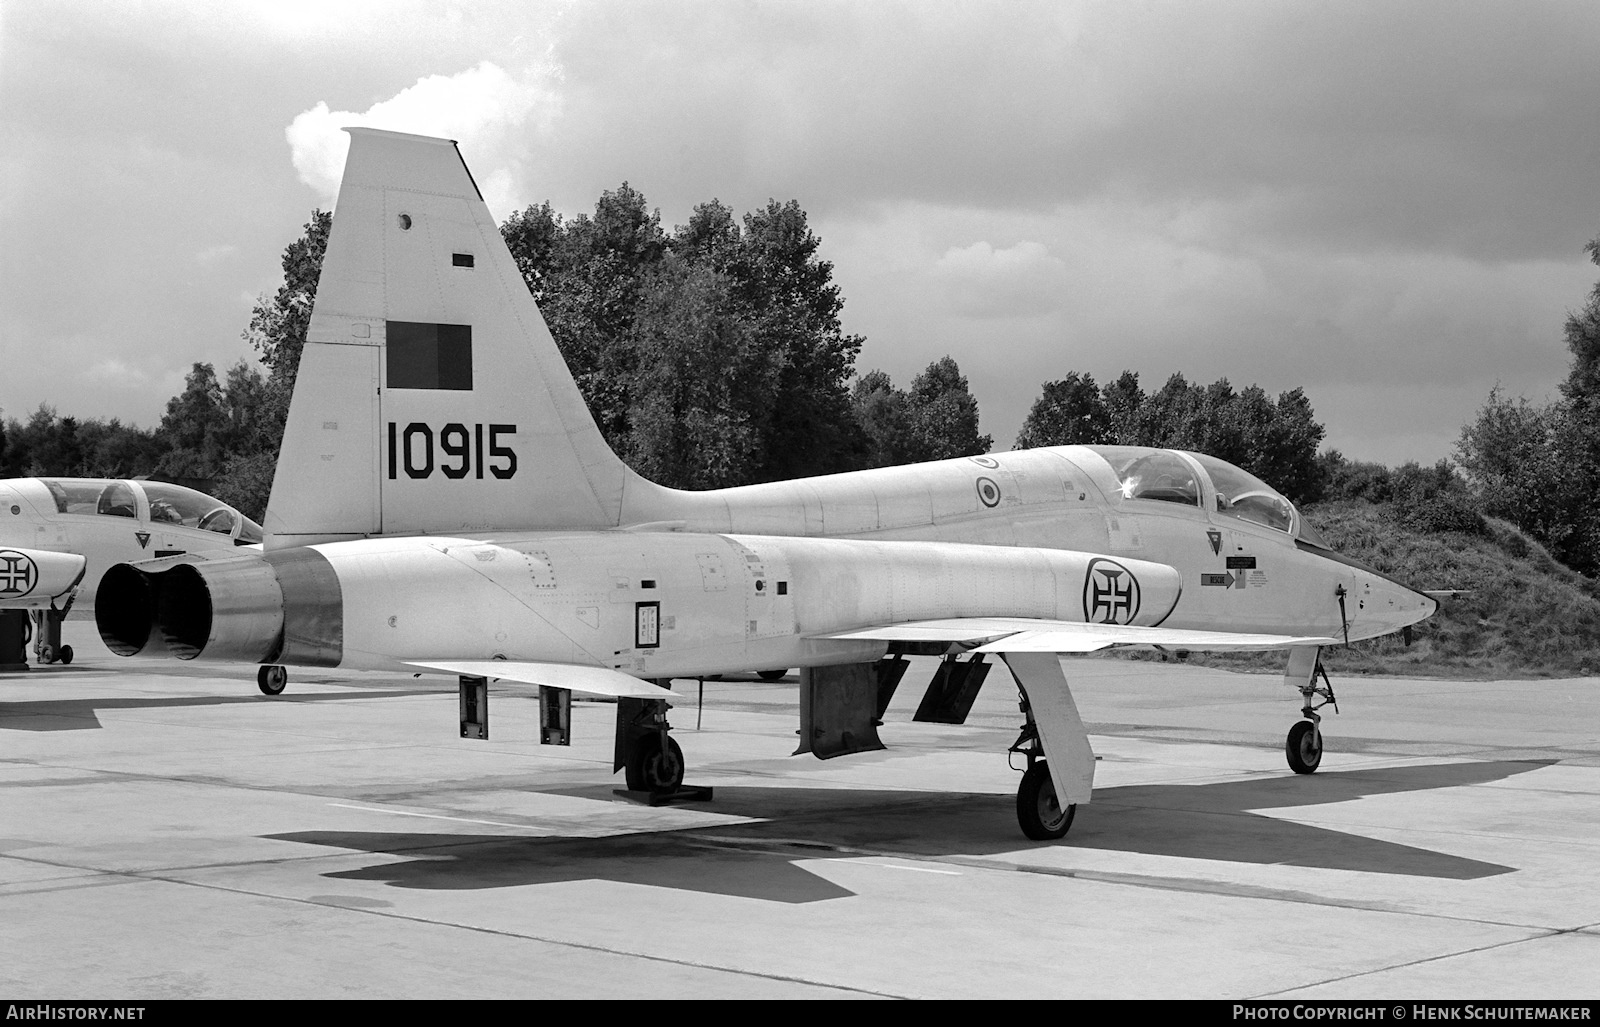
495, 115
1024, 280
212, 254
116, 374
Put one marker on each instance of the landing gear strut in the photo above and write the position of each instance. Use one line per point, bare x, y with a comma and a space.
47, 647
1303, 746
1039, 810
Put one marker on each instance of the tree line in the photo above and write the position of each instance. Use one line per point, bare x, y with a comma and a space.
713, 355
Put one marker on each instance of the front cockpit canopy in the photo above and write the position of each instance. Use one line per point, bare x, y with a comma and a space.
1186, 478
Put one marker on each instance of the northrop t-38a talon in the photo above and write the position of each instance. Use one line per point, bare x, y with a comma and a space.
59, 535
445, 503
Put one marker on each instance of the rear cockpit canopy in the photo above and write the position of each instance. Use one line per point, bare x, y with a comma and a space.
1188, 479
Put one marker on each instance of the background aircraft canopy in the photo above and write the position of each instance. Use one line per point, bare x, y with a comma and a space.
169, 504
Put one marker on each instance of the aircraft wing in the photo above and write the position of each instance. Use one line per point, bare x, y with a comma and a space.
1026, 635
577, 678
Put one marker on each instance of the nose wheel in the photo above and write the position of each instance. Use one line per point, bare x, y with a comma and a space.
272, 680
1303, 747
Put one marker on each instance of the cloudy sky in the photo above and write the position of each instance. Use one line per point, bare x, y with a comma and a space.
1384, 203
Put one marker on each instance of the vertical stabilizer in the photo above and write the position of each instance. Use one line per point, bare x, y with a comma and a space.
430, 396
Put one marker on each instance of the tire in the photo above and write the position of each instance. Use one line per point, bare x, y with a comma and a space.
66, 654
47, 654
772, 675
1303, 747
272, 680
1038, 811
649, 770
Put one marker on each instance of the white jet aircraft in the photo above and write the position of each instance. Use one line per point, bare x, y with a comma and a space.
90, 524
445, 503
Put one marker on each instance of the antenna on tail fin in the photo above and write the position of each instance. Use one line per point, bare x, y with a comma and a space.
431, 397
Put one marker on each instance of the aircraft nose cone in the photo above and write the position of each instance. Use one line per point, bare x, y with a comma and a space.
1385, 606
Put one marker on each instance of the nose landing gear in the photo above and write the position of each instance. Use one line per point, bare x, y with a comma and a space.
1303, 746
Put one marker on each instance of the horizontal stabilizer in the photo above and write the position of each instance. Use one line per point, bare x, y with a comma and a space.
587, 680
1027, 635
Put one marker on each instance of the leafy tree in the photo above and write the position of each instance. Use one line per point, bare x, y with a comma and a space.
936, 420
703, 385
195, 428
278, 325
602, 283
880, 409
789, 296
942, 414
1582, 387
51, 445
1070, 412
1274, 439
1434, 499
1539, 467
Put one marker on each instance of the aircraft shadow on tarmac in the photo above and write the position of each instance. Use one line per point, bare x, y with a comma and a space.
83, 714
758, 860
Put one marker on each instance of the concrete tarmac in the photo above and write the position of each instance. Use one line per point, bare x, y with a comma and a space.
168, 832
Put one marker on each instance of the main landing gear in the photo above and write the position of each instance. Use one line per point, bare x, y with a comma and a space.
47, 645
1303, 746
1039, 810
649, 757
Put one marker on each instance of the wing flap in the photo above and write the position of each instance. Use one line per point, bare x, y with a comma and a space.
587, 680
1026, 635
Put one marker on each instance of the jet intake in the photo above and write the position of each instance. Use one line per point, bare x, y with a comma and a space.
280, 608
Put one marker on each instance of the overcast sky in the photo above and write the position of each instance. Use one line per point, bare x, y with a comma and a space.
1384, 203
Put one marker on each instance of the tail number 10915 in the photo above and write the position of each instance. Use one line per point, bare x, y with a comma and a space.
460, 450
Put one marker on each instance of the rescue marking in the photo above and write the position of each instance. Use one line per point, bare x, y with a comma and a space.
1110, 593
18, 574
144, 539
413, 448
1215, 538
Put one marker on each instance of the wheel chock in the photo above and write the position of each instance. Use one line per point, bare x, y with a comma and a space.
684, 793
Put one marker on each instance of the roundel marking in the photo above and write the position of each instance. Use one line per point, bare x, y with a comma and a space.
988, 492
1110, 593
985, 461
18, 574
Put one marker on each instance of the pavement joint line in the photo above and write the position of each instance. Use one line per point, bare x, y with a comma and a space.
433, 816
498, 932
1181, 884
1543, 933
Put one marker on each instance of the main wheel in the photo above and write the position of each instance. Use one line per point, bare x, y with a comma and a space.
1303, 747
1038, 810
771, 675
66, 654
271, 680
47, 654
650, 769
